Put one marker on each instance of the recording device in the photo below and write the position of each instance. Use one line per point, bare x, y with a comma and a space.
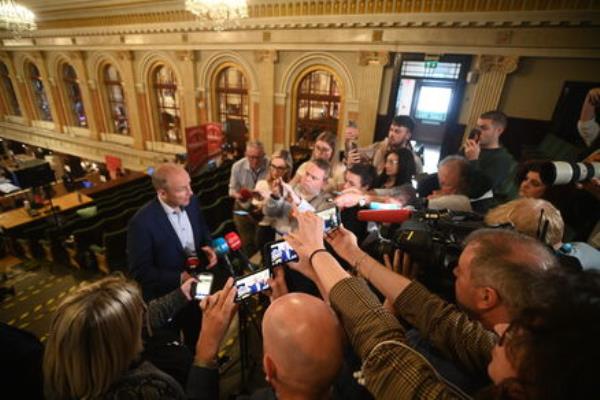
432, 238
202, 288
278, 253
331, 218
350, 144
251, 284
475, 134
562, 172
235, 245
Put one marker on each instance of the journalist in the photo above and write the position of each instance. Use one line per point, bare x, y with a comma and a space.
522, 363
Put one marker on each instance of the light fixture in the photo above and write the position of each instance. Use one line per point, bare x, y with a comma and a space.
16, 18
222, 14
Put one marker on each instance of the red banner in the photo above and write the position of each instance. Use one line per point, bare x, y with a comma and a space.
197, 151
214, 137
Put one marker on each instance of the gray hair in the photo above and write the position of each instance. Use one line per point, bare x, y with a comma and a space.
160, 177
257, 144
510, 263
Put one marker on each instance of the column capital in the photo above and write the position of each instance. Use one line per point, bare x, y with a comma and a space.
125, 55
271, 56
186, 55
380, 58
504, 64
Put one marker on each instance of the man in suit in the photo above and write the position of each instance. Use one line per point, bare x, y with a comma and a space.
165, 232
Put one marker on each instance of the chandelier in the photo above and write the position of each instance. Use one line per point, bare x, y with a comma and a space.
16, 18
222, 14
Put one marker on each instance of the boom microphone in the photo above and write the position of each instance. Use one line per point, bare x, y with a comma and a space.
235, 244
222, 249
385, 216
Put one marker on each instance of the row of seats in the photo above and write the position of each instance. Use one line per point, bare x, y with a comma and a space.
99, 241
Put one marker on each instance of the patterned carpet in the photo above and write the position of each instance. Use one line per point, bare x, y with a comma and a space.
38, 289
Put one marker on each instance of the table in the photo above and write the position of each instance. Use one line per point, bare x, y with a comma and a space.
19, 217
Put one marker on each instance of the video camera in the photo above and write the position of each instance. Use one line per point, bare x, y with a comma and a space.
434, 240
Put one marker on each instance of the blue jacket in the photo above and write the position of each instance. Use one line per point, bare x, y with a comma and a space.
155, 255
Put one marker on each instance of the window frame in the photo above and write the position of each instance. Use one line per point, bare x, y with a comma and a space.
114, 120
38, 96
158, 104
73, 95
12, 101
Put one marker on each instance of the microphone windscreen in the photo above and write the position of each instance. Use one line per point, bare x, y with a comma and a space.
233, 240
245, 194
220, 246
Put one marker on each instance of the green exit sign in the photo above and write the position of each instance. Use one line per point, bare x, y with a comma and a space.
431, 64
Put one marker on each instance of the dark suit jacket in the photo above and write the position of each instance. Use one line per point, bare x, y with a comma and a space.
155, 255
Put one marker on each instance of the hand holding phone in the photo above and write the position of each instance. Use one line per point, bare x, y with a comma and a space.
202, 287
331, 218
251, 284
475, 134
278, 253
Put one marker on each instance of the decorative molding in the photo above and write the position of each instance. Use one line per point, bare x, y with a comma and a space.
163, 147
270, 56
162, 23
125, 55
116, 138
78, 131
92, 84
47, 125
140, 88
381, 58
504, 64
186, 55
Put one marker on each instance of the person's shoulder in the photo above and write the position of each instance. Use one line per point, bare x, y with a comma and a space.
145, 382
147, 210
239, 164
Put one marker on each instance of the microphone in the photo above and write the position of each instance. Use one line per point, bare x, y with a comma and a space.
222, 249
245, 194
385, 216
235, 244
195, 262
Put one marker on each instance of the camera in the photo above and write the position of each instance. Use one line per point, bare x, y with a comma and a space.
434, 240
562, 172
278, 253
251, 284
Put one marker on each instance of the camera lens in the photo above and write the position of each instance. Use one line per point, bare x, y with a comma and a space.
562, 172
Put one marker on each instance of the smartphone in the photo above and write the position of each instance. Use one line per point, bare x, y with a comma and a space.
251, 284
278, 253
202, 288
352, 124
475, 134
331, 218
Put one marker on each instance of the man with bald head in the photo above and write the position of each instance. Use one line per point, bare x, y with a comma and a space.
302, 346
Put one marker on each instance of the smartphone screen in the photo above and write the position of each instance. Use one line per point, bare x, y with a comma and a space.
202, 288
252, 284
331, 218
280, 252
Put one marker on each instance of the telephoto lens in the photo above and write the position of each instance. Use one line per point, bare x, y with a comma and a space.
562, 172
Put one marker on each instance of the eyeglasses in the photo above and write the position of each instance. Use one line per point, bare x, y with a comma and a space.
323, 149
393, 162
278, 168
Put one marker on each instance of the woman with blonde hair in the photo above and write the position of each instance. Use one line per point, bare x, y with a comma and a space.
95, 341
280, 170
325, 149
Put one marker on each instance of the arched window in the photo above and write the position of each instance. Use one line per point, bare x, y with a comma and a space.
167, 104
232, 96
39, 94
73, 92
318, 105
115, 101
11, 97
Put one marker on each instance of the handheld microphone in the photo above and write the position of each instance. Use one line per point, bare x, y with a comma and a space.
245, 194
222, 249
235, 244
195, 262
385, 216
